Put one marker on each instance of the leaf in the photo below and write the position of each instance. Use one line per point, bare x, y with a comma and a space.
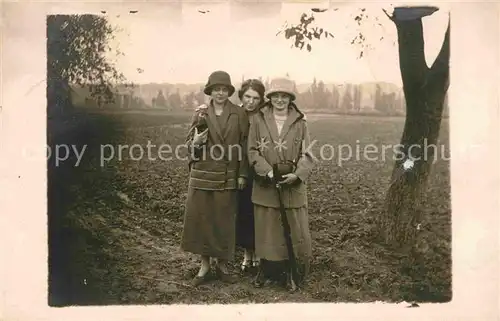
308, 47
303, 18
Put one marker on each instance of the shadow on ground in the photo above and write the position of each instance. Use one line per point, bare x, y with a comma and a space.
115, 228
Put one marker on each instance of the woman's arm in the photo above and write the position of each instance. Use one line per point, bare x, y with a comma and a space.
257, 161
306, 160
193, 151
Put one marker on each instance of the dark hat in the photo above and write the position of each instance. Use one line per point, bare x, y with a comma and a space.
219, 78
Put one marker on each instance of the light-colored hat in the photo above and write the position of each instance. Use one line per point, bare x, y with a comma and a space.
281, 85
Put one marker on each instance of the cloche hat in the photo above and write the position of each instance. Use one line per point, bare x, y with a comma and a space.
219, 78
283, 85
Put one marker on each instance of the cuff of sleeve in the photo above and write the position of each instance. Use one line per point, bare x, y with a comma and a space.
301, 176
268, 169
196, 146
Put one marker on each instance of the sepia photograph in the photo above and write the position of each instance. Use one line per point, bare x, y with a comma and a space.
259, 160
250, 160
235, 152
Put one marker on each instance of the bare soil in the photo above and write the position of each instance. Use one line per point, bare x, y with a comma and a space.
115, 229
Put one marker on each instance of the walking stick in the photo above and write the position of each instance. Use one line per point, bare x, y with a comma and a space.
292, 263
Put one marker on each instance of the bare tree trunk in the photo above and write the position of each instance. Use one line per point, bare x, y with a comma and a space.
425, 89
58, 97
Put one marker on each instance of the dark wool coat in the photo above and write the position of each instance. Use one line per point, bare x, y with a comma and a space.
212, 201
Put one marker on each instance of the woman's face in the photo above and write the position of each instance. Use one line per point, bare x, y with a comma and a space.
251, 99
220, 94
280, 101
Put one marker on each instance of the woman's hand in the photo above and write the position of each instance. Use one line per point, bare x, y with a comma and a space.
201, 107
288, 179
242, 182
200, 138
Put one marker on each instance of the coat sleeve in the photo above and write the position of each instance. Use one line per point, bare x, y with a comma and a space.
256, 160
244, 127
193, 151
306, 159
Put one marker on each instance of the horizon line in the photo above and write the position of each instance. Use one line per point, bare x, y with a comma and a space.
239, 82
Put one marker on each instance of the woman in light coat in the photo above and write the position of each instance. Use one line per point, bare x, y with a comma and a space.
218, 169
279, 135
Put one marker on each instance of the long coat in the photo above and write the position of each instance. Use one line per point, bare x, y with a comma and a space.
267, 147
212, 201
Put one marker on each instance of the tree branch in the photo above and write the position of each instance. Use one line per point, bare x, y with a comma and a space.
411, 55
440, 70
388, 15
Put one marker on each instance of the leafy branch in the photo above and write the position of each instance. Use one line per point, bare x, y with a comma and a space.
303, 34
77, 48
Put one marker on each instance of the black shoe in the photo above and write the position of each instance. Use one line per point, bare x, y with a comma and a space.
198, 280
260, 279
225, 277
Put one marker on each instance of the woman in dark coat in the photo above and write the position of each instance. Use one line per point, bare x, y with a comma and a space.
218, 169
251, 96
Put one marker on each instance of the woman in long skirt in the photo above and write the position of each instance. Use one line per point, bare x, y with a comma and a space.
251, 96
218, 169
279, 135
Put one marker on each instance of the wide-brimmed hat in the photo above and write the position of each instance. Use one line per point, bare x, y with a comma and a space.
281, 85
218, 78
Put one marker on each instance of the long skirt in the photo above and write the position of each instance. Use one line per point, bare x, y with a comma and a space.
245, 236
210, 223
270, 241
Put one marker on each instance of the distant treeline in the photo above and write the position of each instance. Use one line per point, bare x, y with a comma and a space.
366, 98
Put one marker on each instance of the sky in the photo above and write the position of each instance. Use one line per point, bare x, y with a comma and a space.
175, 43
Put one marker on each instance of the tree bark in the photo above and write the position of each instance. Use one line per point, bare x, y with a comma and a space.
425, 89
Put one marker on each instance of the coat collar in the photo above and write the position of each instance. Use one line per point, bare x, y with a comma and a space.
250, 112
294, 114
214, 124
